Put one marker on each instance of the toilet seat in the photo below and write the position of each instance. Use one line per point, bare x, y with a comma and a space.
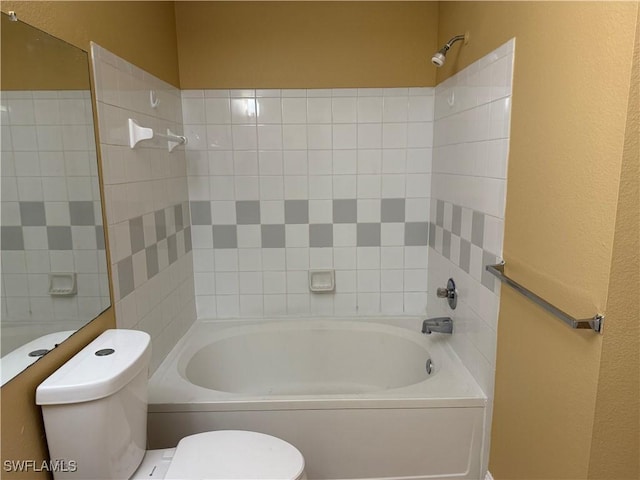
235, 454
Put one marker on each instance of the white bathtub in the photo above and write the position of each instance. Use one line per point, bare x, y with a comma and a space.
354, 396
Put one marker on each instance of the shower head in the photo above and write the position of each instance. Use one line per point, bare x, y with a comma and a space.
440, 56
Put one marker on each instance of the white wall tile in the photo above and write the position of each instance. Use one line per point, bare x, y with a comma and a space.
319, 110
319, 137
344, 110
270, 137
270, 111
320, 258
315, 145
294, 110
270, 163
294, 137
370, 109
344, 162
370, 135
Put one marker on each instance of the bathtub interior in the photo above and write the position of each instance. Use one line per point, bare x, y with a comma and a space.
323, 362
251, 360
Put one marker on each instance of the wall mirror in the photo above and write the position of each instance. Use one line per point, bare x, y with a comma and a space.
54, 268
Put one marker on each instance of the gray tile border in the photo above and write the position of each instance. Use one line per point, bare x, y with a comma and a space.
392, 210
82, 213
345, 211
225, 236
126, 283
465, 254
477, 229
487, 279
59, 238
152, 260
456, 221
477, 239
321, 235
32, 214
100, 237
179, 217
186, 215
273, 236
416, 234
201, 213
440, 213
368, 235
248, 212
161, 225
169, 215
172, 247
11, 238
432, 235
446, 244
187, 239
296, 211
136, 234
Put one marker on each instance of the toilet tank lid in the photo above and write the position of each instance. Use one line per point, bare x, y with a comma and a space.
100, 369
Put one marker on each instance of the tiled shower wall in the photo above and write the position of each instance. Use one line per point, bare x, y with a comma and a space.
284, 181
472, 118
146, 204
51, 215
472, 111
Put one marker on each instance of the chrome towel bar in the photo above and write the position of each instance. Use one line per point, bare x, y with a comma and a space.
594, 323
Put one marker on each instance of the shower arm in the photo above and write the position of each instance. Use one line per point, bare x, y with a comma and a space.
450, 43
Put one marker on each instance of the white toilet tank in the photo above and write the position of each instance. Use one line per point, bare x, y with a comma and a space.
95, 408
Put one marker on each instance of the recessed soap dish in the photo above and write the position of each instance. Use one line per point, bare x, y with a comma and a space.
63, 284
321, 281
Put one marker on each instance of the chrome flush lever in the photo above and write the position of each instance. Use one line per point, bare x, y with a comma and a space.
450, 293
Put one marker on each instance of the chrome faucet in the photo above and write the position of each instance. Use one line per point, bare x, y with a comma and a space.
438, 324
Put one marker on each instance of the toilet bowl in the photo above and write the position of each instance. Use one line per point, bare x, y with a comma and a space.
95, 414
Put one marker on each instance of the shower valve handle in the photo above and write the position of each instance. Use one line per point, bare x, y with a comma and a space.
449, 292
443, 292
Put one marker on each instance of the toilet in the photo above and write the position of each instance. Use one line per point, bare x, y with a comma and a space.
95, 416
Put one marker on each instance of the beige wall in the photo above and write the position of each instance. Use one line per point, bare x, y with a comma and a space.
306, 44
616, 433
570, 97
143, 32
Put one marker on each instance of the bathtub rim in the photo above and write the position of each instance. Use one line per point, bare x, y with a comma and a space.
459, 388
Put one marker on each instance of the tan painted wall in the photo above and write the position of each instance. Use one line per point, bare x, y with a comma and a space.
142, 32
306, 44
616, 432
570, 96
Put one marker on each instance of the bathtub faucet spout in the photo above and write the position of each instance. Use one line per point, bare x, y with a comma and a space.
438, 324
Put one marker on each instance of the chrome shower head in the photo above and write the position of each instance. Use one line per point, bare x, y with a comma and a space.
440, 56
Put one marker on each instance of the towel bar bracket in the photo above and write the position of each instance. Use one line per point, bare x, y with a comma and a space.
595, 323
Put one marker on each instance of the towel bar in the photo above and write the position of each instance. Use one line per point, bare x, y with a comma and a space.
595, 323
